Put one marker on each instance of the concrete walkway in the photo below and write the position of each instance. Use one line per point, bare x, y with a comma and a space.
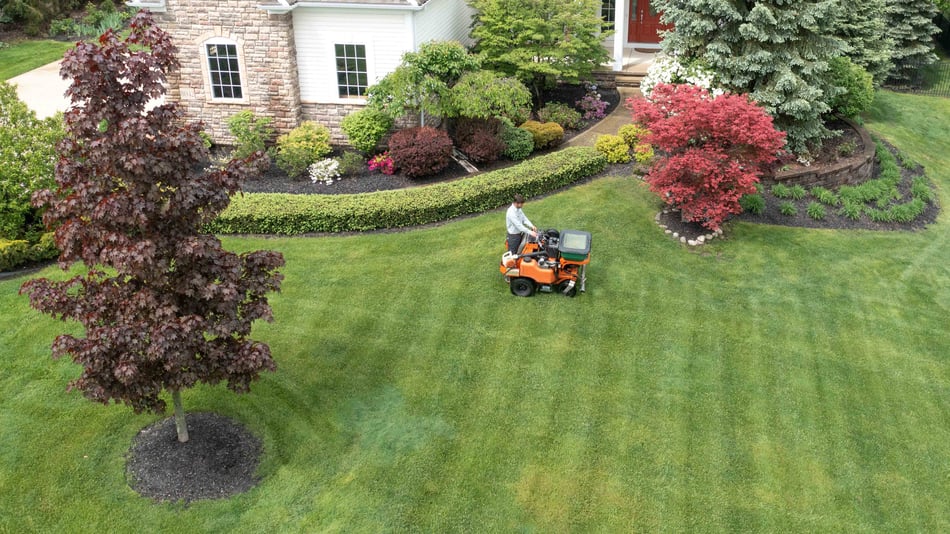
610, 124
42, 90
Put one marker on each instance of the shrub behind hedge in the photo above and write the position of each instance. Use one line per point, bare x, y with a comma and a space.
561, 113
546, 135
613, 147
365, 128
519, 143
301, 147
268, 213
479, 139
420, 151
17, 253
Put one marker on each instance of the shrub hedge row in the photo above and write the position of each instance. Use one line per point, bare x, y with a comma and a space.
272, 213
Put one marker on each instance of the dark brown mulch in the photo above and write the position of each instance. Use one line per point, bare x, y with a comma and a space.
276, 181
219, 459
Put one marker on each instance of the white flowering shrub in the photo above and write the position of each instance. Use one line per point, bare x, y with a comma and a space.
669, 69
326, 171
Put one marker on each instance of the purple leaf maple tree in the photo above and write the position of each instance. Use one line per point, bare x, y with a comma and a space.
163, 304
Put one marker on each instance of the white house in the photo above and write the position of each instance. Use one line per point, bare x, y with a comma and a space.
295, 60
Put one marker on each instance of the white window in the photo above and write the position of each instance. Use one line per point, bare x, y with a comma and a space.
224, 69
351, 73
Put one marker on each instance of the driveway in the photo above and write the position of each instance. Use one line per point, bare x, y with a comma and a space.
42, 90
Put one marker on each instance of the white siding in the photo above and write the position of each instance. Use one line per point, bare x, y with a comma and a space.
386, 34
444, 20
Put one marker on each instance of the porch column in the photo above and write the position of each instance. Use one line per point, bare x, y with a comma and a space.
620, 32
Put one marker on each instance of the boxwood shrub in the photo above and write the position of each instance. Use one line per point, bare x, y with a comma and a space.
287, 214
545, 134
519, 144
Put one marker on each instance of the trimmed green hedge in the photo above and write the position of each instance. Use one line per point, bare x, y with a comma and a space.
272, 213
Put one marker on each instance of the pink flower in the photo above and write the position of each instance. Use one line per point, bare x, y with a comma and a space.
382, 163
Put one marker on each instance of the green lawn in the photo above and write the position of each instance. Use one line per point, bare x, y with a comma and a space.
25, 56
777, 380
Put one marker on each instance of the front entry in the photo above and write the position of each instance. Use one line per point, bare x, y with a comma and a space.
644, 24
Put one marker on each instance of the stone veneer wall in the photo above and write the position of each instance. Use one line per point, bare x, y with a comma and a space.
268, 62
855, 169
330, 115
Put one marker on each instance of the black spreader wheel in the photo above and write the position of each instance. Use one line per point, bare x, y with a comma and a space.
523, 287
570, 292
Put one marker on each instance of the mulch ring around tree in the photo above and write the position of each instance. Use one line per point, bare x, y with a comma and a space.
219, 459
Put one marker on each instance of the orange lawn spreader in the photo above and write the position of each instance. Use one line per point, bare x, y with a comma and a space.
554, 261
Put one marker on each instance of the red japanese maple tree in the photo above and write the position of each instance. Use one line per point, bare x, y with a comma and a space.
713, 149
164, 306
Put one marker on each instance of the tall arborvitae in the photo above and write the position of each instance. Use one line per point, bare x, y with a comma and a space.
867, 40
776, 51
911, 26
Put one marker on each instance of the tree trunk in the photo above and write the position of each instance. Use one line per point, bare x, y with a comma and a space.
180, 424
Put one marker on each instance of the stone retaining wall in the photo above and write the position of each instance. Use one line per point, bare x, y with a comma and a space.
848, 171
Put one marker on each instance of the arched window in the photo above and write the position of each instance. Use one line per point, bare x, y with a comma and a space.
224, 69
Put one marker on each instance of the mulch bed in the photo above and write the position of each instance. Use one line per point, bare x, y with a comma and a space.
219, 459
773, 215
276, 181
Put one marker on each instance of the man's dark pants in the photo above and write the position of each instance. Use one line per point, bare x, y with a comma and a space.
514, 242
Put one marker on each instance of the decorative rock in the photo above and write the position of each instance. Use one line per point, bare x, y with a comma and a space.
700, 240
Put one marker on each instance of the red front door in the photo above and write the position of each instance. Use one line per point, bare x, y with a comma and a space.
644, 23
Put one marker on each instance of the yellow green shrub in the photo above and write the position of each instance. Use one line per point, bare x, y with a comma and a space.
632, 134
613, 148
545, 134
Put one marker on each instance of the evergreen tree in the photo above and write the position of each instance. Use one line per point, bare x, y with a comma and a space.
776, 51
911, 25
866, 37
